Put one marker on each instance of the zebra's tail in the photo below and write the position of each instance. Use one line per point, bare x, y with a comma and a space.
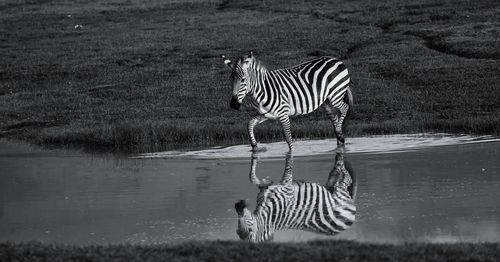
353, 187
348, 97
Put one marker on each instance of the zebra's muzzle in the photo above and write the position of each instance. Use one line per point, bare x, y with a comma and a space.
234, 103
240, 206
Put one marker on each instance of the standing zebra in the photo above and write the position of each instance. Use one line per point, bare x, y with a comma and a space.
299, 90
290, 204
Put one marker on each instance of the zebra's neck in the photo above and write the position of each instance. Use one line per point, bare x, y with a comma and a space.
266, 89
268, 220
258, 75
262, 216
265, 229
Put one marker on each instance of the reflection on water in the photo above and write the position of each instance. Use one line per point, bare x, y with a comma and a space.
299, 205
445, 193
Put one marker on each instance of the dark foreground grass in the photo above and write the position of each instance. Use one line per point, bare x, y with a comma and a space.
146, 75
240, 251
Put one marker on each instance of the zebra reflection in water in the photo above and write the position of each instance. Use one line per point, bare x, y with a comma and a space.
292, 204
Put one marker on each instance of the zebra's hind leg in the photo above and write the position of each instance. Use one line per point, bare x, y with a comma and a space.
336, 174
343, 108
251, 124
337, 114
285, 124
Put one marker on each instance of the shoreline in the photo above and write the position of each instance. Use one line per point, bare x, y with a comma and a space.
200, 139
368, 144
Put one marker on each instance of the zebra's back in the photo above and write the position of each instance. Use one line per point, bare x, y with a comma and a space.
310, 206
307, 86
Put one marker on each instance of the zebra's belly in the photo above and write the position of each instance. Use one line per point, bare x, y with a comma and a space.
264, 111
298, 110
294, 109
270, 116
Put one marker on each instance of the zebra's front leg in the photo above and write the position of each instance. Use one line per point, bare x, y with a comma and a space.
285, 123
261, 183
251, 124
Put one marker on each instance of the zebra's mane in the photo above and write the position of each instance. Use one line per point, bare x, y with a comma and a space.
257, 64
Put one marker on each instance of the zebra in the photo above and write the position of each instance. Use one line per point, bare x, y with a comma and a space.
299, 90
292, 204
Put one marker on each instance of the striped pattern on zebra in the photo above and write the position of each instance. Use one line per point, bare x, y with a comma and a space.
299, 90
292, 204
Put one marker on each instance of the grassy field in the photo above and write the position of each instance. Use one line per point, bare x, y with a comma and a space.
240, 251
145, 75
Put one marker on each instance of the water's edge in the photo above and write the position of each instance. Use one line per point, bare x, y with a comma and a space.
360, 145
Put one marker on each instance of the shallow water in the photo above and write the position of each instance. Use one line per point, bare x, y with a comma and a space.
448, 192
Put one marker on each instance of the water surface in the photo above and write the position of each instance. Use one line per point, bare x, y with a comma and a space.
448, 192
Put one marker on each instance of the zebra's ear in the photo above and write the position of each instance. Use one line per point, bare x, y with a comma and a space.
227, 61
251, 56
248, 58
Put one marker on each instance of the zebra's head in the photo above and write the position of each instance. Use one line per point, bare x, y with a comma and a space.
247, 224
239, 78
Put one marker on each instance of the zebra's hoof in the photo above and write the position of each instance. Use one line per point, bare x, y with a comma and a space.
340, 149
256, 149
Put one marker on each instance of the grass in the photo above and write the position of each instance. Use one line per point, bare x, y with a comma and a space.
241, 251
146, 75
